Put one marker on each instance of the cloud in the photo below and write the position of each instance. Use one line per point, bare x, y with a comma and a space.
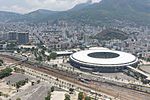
18, 8
14, 8
54, 4
25, 6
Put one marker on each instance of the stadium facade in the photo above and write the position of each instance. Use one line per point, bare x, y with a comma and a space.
105, 60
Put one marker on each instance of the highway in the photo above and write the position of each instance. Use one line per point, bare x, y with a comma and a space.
110, 89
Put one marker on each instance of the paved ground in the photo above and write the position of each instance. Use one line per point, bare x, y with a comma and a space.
118, 76
58, 95
15, 77
38, 92
6, 89
145, 68
12, 79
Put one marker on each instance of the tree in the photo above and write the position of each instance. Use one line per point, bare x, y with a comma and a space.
35, 54
32, 83
39, 58
71, 90
48, 97
67, 97
80, 96
32, 49
18, 99
52, 89
44, 48
38, 81
49, 93
5, 72
18, 50
11, 45
18, 70
1, 61
43, 52
87, 98
48, 58
53, 55
17, 86
26, 80
21, 83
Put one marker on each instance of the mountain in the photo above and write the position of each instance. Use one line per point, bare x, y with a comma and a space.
37, 16
8, 16
48, 15
106, 12
41, 11
40, 14
109, 12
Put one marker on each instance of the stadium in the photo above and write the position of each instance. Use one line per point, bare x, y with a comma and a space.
104, 60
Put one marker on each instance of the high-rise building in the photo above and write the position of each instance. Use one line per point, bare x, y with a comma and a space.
18, 37
23, 37
3, 36
12, 36
86, 38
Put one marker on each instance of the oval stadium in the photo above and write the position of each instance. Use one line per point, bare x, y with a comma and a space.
102, 60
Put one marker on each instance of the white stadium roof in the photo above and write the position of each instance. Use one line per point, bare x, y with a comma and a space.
98, 48
124, 59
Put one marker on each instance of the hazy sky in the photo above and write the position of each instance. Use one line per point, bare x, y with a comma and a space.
24, 6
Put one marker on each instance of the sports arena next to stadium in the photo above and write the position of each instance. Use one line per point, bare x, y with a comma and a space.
102, 60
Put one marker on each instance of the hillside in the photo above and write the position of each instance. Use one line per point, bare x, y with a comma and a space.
107, 11
111, 34
8, 16
104, 13
39, 15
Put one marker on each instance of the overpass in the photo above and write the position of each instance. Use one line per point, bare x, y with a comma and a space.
145, 75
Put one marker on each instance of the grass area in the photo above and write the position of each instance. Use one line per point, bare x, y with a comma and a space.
5, 72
